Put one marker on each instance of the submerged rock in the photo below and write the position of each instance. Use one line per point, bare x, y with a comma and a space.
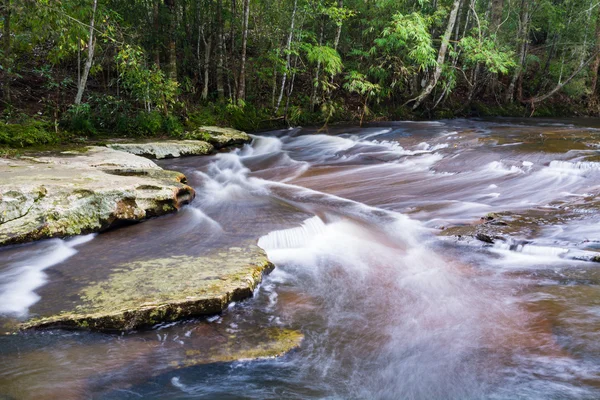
166, 149
144, 293
76, 193
246, 346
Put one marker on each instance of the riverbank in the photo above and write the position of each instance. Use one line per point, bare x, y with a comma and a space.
31, 134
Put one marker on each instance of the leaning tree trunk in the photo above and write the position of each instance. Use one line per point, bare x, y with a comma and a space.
241, 95
560, 85
288, 48
90, 58
441, 56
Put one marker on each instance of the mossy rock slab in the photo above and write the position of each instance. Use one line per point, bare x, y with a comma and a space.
75, 193
166, 149
143, 293
219, 137
246, 346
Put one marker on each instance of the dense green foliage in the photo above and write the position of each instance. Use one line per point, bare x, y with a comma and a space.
165, 66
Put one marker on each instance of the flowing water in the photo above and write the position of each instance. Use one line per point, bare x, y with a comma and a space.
390, 307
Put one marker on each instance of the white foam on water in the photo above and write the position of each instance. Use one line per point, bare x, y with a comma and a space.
520, 255
382, 282
201, 217
421, 163
20, 280
558, 167
376, 133
261, 145
493, 195
324, 145
499, 167
227, 180
542, 250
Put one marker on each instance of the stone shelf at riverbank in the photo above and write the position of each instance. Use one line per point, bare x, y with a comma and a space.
141, 294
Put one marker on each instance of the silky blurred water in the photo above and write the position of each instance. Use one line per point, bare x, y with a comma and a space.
388, 309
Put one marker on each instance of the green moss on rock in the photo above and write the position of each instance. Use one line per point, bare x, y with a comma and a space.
144, 293
265, 343
72, 194
166, 149
219, 137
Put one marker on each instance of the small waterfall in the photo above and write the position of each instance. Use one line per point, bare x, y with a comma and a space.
531, 249
293, 237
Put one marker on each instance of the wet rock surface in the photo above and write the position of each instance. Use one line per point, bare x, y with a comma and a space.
513, 230
144, 293
73, 193
135, 362
166, 149
219, 137
201, 141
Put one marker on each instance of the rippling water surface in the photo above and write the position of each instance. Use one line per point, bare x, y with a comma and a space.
354, 219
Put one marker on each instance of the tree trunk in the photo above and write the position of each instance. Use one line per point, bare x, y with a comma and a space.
313, 95
338, 33
172, 47
7, 50
290, 90
207, 50
90, 57
220, 88
232, 79
441, 56
595, 65
156, 23
496, 17
522, 36
242, 79
288, 48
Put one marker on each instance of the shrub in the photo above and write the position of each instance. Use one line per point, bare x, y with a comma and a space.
78, 118
148, 123
29, 133
172, 126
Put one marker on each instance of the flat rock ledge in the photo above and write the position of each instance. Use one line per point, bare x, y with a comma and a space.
166, 149
144, 293
74, 193
202, 141
219, 137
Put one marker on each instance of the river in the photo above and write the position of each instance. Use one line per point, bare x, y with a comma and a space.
390, 306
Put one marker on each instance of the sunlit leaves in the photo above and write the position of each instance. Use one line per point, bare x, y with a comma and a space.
329, 58
486, 52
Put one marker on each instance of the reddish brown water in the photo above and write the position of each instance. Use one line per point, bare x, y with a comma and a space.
390, 309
